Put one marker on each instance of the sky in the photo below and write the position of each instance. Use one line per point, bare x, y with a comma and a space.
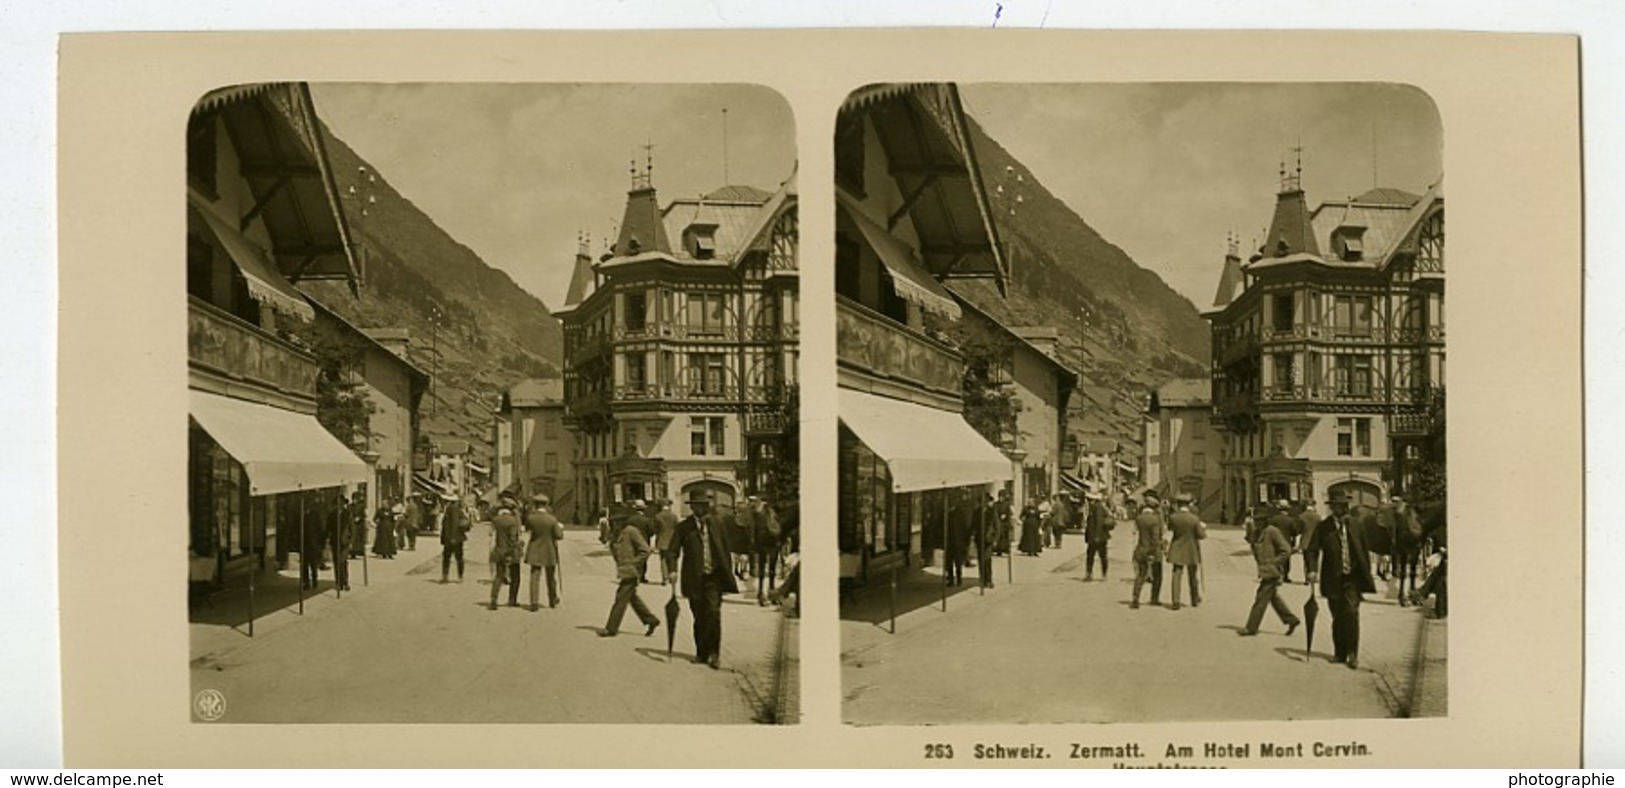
1166, 171
515, 171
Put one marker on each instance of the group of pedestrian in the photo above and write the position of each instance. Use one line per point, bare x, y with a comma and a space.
396, 526
700, 556
526, 534
1168, 534
1337, 565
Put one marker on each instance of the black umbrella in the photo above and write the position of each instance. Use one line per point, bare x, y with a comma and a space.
1311, 611
673, 612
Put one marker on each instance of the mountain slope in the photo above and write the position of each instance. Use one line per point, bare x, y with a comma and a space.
490, 332
1123, 329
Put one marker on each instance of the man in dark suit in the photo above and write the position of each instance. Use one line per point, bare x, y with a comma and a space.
957, 547
1335, 554
1148, 550
705, 574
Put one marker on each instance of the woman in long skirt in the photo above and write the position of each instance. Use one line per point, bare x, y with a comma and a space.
1032, 543
383, 540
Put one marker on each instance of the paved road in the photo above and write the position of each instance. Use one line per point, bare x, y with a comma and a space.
1050, 648
408, 649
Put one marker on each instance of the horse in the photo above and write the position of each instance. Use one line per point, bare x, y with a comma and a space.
1395, 535
1399, 535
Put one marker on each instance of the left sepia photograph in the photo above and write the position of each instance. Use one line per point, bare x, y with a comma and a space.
493, 404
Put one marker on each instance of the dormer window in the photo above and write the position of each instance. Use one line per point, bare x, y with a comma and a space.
700, 240
1348, 243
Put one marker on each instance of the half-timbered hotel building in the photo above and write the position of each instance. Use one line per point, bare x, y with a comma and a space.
1328, 345
681, 345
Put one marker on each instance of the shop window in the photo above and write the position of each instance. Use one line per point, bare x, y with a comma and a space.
550, 463
1198, 463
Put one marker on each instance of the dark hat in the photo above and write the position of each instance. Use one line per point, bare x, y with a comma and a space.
1338, 496
700, 496
1184, 498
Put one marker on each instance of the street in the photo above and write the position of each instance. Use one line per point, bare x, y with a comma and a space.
408, 649
1051, 648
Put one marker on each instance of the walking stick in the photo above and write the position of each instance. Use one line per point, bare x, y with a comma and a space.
558, 557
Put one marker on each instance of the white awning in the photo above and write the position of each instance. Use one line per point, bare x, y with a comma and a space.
909, 279
265, 284
281, 451
925, 448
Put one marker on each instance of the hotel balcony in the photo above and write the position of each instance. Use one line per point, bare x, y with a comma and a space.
675, 331
1326, 396
227, 347
1244, 402
1236, 350
878, 347
1408, 424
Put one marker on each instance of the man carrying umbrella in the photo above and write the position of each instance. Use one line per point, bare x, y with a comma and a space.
705, 575
1336, 556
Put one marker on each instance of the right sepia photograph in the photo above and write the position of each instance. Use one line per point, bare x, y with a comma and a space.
1142, 403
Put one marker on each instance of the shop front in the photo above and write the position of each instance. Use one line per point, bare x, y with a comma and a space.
900, 466
257, 475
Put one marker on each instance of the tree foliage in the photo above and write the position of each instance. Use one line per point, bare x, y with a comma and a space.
987, 388
342, 404
1429, 473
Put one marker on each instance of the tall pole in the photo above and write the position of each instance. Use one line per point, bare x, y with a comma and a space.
365, 580
253, 569
945, 557
304, 554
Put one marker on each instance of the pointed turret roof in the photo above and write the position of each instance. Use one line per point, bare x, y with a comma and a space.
1231, 281
1291, 231
642, 230
582, 280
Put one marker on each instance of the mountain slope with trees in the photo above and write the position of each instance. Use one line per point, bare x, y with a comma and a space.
471, 325
1123, 329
